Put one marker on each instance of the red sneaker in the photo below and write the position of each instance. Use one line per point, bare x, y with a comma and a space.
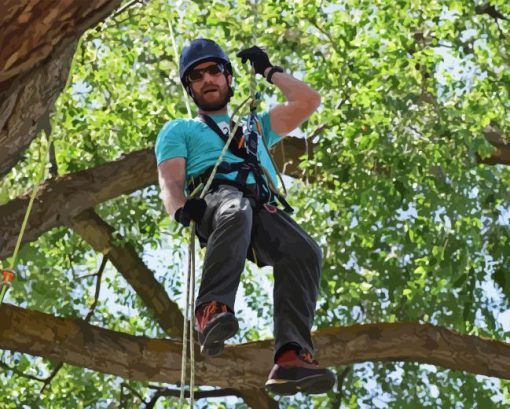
214, 323
295, 373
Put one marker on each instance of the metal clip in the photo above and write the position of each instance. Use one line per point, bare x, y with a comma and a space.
270, 208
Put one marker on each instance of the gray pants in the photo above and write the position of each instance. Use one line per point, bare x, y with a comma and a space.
229, 225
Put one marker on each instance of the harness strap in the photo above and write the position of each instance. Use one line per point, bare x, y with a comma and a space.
246, 150
272, 194
236, 144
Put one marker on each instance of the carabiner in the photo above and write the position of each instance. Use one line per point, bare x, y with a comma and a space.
270, 208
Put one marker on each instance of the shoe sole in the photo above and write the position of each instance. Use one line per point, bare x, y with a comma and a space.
222, 329
315, 384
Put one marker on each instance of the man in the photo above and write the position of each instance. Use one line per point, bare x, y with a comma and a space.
237, 218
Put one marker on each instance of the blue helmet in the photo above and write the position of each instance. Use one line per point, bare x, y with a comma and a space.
200, 50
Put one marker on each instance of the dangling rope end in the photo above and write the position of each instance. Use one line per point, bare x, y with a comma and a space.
7, 277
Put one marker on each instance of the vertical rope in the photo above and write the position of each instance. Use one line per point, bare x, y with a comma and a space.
190, 279
44, 152
176, 56
185, 336
190, 276
191, 321
44, 155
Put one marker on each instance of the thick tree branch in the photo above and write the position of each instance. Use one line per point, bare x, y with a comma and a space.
31, 31
100, 236
502, 144
38, 44
61, 199
245, 366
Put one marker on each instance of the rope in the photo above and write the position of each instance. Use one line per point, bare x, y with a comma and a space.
9, 274
190, 276
253, 92
190, 279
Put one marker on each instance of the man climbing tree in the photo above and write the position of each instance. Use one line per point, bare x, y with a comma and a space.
238, 217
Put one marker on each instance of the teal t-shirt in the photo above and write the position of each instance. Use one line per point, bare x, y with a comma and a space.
195, 141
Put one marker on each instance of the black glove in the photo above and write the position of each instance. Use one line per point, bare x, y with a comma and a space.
257, 56
193, 209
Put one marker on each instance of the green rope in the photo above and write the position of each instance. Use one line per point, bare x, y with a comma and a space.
176, 56
191, 321
44, 153
253, 92
39, 179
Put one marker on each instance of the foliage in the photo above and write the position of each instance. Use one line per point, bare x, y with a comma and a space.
411, 225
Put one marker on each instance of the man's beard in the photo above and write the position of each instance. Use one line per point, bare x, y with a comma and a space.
223, 100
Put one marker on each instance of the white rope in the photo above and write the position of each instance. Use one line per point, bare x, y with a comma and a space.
190, 278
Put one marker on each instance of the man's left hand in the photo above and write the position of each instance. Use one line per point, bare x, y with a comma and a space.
258, 57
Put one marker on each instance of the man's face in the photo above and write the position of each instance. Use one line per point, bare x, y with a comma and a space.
211, 91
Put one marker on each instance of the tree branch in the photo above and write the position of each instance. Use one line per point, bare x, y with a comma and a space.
502, 155
99, 276
244, 366
100, 236
46, 381
60, 199
337, 403
491, 11
166, 392
38, 44
63, 198
20, 373
132, 390
54, 373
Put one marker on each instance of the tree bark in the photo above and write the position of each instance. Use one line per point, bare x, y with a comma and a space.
38, 40
244, 366
26, 104
61, 199
502, 145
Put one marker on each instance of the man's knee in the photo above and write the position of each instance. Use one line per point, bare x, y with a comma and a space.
310, 253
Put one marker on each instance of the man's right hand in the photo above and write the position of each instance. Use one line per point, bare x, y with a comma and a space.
193, 209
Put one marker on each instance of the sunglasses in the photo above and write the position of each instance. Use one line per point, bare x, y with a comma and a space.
197, 75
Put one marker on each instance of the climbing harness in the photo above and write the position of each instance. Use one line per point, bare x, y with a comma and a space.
245, 148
